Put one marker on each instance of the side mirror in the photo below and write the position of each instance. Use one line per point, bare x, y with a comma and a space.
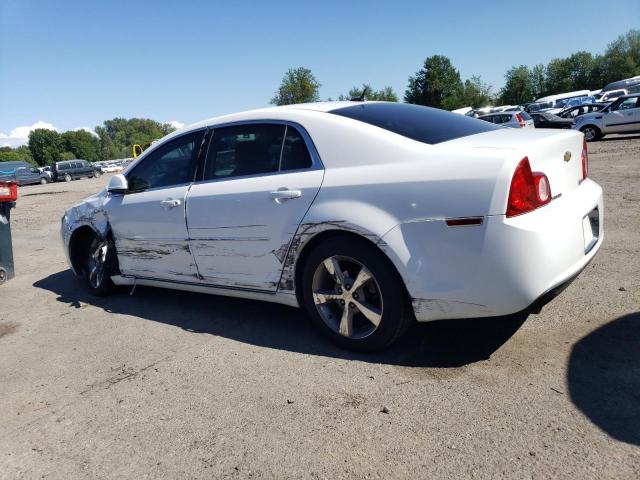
118, 184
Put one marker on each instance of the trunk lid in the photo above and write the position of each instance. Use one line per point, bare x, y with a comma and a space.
556, 153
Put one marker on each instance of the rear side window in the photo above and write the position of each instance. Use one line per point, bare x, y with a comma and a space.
241, 150
424, 124
294, 151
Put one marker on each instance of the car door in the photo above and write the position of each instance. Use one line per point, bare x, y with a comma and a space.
148, 221
622, 116
258, 182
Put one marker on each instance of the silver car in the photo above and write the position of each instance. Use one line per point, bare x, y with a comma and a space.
520, 119
621, 116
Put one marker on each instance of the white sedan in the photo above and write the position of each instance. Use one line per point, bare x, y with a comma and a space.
370, 215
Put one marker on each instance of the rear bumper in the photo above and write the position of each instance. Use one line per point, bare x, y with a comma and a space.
504, 266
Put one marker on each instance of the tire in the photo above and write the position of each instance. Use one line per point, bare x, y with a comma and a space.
67, 178
99, 266
43, 181
591, 133
336, 306
97, 174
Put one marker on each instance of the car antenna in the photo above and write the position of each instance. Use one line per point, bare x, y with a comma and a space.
360, 98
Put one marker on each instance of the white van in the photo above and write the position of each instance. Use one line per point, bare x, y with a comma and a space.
555, 103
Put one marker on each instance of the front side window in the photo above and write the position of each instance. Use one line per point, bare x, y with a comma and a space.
622, 104
170, 164
251, 149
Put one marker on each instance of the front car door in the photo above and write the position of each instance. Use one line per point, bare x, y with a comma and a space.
622, 116
148, 222
259, 180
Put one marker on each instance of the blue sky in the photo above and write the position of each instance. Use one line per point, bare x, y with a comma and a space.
73, 64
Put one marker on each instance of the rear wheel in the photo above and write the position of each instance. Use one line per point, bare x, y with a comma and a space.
591, 133
67, 178
99, 266
354, 295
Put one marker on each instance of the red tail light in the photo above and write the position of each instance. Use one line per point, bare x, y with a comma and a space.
520, 120
585, 159
529, 190
8, 192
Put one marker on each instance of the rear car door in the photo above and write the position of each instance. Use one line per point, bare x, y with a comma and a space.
148, 222
622, 116
258, 182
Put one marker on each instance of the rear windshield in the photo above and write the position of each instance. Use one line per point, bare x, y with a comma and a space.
424, 124
524, 115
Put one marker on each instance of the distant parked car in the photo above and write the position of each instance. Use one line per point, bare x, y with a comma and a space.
22, 173
608, 97
510, 119
555, 103
73, 169
550, 120
573, 112
630, 84
111, 168
621, 116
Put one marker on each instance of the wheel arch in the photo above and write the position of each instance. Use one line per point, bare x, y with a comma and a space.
324, 235
79, 242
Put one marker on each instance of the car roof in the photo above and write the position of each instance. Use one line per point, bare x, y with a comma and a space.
630, 95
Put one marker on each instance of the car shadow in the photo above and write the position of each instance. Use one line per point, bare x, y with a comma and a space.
442, 344
604, 377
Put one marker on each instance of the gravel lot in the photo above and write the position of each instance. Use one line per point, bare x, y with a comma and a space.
169, 384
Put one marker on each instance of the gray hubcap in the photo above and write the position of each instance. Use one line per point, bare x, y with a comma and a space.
347, 297
97, 260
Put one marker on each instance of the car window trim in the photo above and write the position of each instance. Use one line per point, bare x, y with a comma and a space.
316, 162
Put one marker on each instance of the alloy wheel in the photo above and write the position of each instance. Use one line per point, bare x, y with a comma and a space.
97, 259
347, 297
589, 133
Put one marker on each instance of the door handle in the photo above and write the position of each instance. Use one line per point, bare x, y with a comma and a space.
170, 203
284, 194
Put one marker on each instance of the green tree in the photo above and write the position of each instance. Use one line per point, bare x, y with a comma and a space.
118, 135
574, 72
622, 57
517, 87
20, 154
81, 144
298, 86
436, 84
386, 94
537, 81
476, 93
45, 146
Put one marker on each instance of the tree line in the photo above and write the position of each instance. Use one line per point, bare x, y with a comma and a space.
436, 84
113, 139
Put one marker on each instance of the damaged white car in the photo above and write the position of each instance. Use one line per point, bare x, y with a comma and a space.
367, 214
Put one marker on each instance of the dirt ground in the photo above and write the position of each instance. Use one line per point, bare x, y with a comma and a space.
166, 384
